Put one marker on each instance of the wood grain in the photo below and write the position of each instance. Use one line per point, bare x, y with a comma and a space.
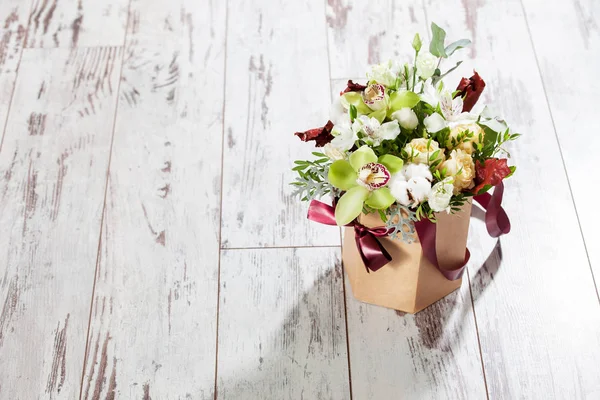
571, 30
77, 23
13, 26
362, 33
55, 155
277, 84
535, 301
431, 355
153, 322
281, 325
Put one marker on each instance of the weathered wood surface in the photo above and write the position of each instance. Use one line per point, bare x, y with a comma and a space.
535, 301
277, 84
52, 178
281, 325
154, 312
566, 39
362, 33
13, 25
77, 23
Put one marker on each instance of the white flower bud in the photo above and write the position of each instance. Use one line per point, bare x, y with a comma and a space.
407, 118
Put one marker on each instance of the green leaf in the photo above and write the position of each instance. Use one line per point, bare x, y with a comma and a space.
416, 43
353, 112
379, 115
392, 163
403, 99
342, 175
512, 171
380, 199
459, 44
436, 47
350, 205
362, 156
316, 153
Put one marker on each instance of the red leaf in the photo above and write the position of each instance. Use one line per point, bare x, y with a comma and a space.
353, 87
320, 135
490, 173
470, 90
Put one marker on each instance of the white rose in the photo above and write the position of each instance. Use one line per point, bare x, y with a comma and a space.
421, 149
385, 73
460, 166
407, 118
440, 195
333, 152
434, 123
426, 64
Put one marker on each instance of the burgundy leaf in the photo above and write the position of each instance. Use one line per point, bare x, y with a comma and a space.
470, 90
490, 173
353, 87
320, 135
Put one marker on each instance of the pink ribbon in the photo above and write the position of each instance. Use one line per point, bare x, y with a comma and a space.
372, 252
375, 256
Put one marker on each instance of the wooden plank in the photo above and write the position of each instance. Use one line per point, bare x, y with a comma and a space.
570, 30
153, 322
362, 33
535, 300
281, 325
277, 84
13, 25
77, 23
55, 155
431, 355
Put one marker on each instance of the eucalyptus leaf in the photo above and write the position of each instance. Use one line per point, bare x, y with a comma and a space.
459, 44
436, 47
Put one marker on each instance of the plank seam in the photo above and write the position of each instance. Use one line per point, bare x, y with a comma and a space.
112, 139
221, 199
487, 393
537, 62
12, 94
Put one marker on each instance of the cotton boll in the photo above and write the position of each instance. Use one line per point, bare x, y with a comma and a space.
407, 118
399, 189
419, 188
411, 171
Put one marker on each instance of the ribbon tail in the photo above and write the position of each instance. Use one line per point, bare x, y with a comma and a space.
426, 230
321, 213
496, 219
371, 251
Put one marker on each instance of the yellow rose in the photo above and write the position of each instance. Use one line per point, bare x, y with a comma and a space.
466, 144
420, 150
460, 166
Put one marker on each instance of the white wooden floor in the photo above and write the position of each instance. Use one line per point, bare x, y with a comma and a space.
149, 246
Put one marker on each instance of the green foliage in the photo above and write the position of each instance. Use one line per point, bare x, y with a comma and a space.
492, 143
459, 44
311, 182
436, 47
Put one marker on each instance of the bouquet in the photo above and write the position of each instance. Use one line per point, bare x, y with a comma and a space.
405, 144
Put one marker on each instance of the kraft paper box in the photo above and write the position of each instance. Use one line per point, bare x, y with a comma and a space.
409, 282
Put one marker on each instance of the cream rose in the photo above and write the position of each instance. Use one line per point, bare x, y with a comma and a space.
466, 144
420, 150
460, 166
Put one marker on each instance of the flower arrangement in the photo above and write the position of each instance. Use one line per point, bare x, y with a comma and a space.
405, 145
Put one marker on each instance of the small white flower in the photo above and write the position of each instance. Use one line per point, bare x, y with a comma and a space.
407, 118
431, 95
426, 64
338, 114
375, 132
440, 195
385, 73
434, 123
334, 153
343, 137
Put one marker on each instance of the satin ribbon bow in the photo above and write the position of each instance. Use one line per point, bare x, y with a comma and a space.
372, 252
375, 256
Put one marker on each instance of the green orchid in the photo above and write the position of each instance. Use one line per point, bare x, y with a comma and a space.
364, 178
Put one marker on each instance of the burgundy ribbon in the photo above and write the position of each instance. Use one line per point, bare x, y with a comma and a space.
371, 251
375, 256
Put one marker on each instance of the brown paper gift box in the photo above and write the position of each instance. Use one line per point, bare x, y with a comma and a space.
409, 282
